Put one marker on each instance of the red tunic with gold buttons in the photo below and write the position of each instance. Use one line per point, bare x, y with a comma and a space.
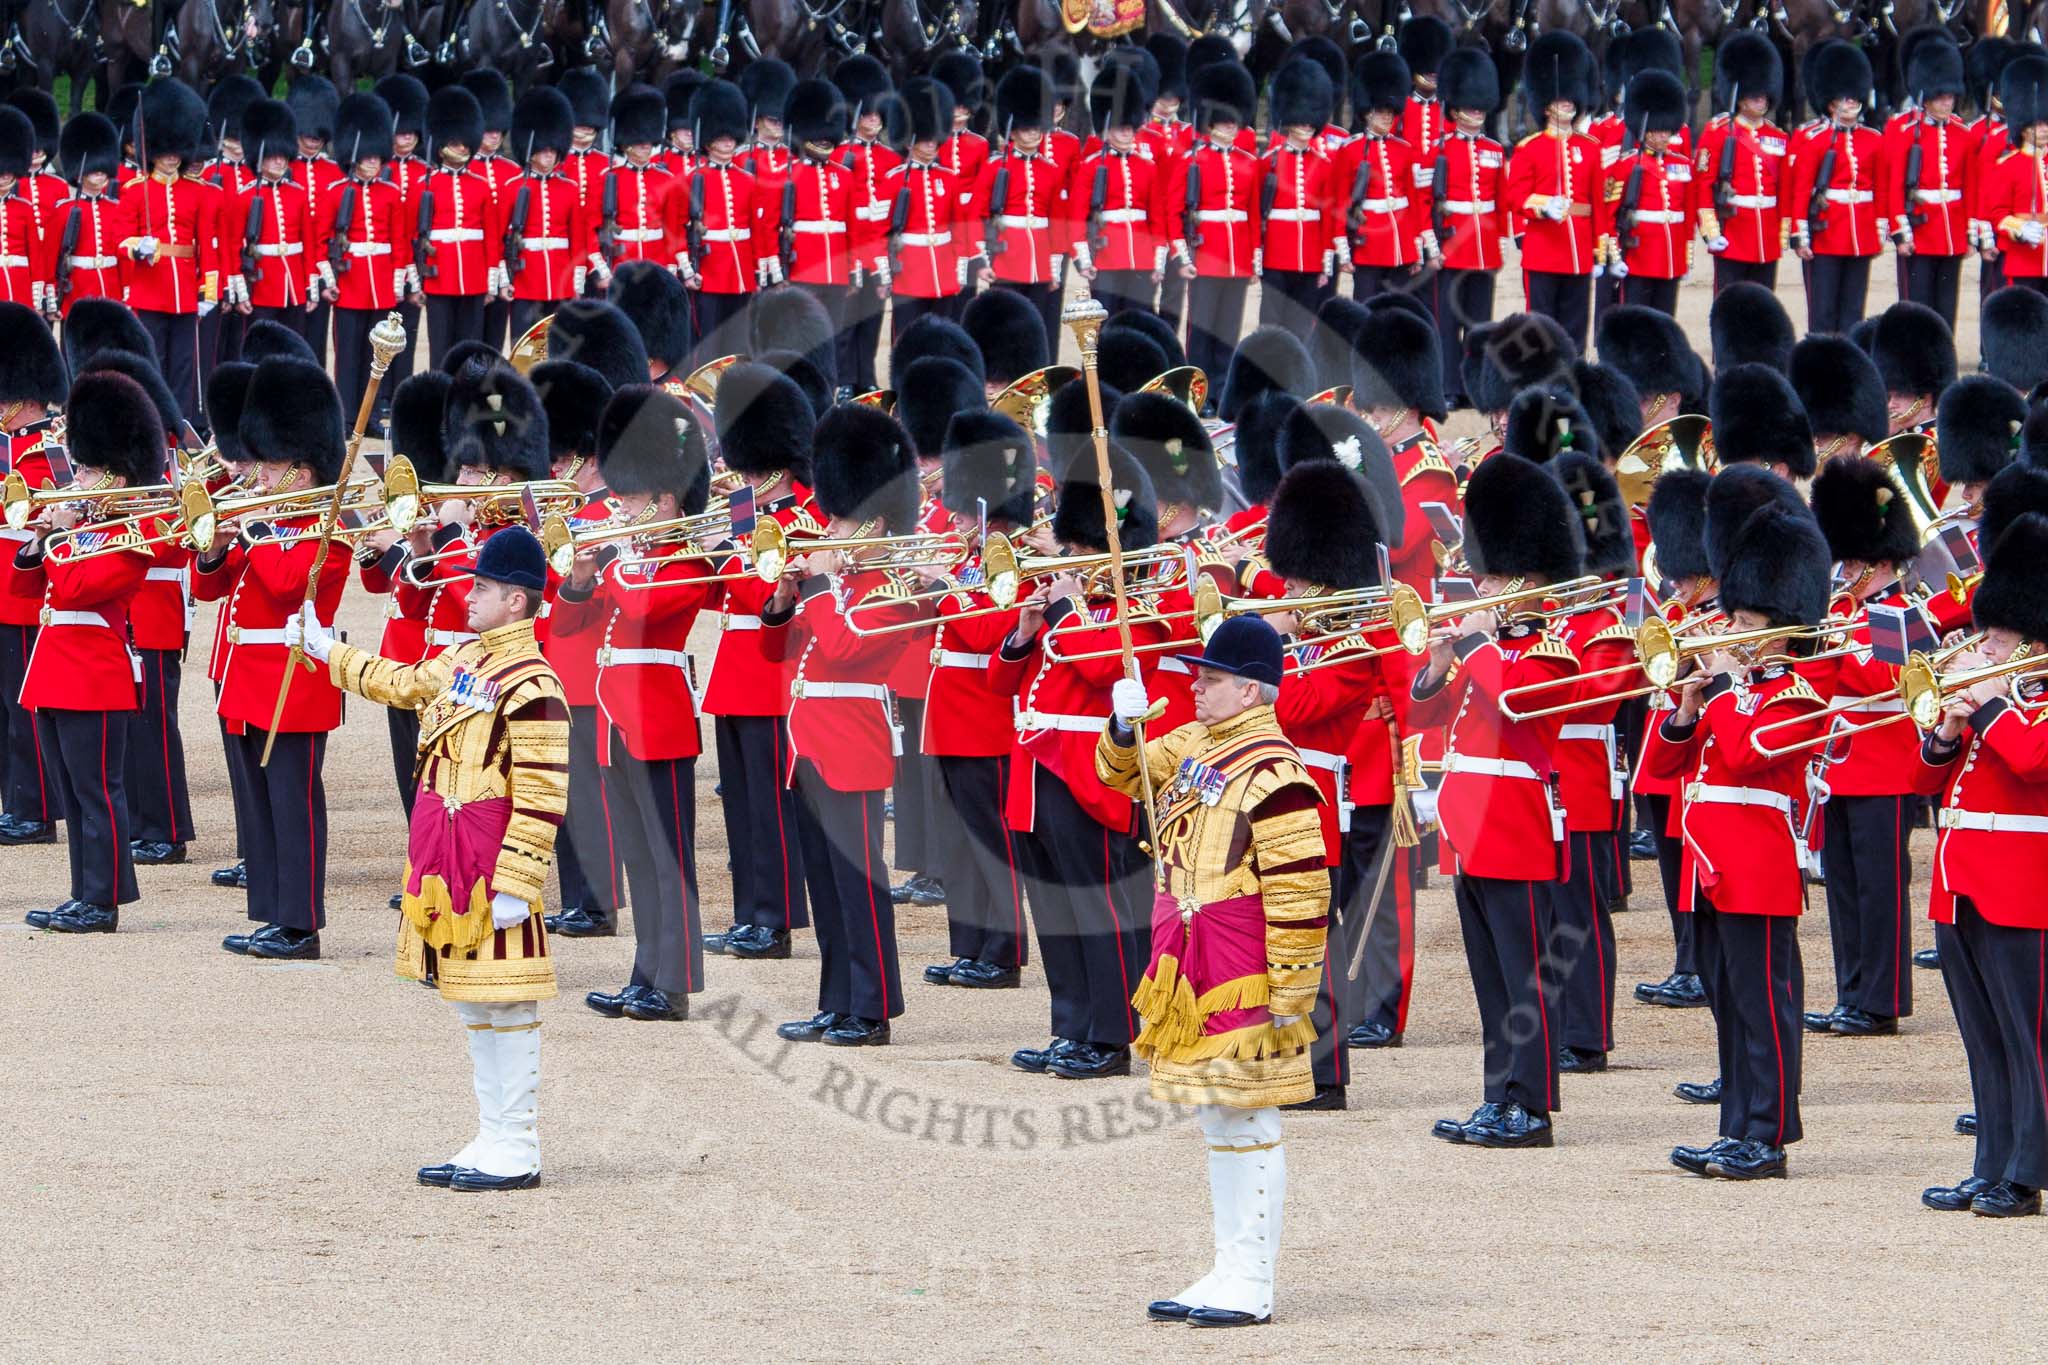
1546, 165
727, 202
1424, 123
1852, 220
1305, 214
550, 244
264, 583
2016, 191
927, 227
1997, 772
44, 192
643, 666
92, 269
632, 210
183, 215
1383, 200
1212, 208
574, 657
1119, 194
453, 216
1992, 142
584, 168
25, 456
1663, 228
1426, 476
1321, 711
1468, 175
744, 680
768, 163
1938, 203
269, 226
1592, 769
1018, 234
965, 715
869, 164
379, 246
21, 251
318, 176
1758, 177
1878, 762
819, 200
963, 154
405, 629
81, 660
840, 720
1168, 140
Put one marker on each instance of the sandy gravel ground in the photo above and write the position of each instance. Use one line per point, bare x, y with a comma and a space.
205, 1159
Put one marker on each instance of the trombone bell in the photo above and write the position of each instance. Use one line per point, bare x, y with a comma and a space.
402, 491
201, 525
1186, 383
999, 576
1914, 465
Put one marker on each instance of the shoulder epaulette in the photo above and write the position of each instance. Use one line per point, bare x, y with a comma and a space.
1617, 631
1529, 139
1551, 647
1431, 462
1800, 691
891, 591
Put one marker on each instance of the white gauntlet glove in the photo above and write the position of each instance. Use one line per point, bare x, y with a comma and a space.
2032, 233
326, 269
1059, 268
1258, 260
1128, 700
508, 911
1556, 207
305, 631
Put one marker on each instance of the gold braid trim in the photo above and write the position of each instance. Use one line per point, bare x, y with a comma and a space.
1250, 1043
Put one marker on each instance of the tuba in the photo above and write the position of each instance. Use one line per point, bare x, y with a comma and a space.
1187, 383
1028, 399
532, 347
1682, 442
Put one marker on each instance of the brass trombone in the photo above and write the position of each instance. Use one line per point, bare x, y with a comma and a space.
562, 541
1914, 464
404, 496
1921, 691
21, 503
1004, 573
190, 508
1185, 382
769, 548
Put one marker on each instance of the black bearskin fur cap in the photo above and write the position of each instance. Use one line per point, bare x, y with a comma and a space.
1519, 522
291, 413
864, 468
1863, 513
989, 459
1324, 527
929, 392
648, 441
764, 421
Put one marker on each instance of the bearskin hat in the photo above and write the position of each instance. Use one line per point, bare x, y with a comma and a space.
930, 107
862, 81
1611, 402
1977, 428
42, 116
1502, 358
1173, 445
1170, 54
1256, 444
142, 368
173, 121
1864, 334
453, 119
362, 129
1207, 49
1678, 524
640, 117
121, 107
720, 109
1402, 367
97, 323
1546, 421
589, 96
1838, 386
493, 97
495, 420
230, 96
1023, 100
1468, 79
542, 120
1604, 521
1650, 49
1301, 95
17, 141
766, 82
1333, 341
1736, 492
818, 390
817, 112
599, 334
1757, 418
227, 386
764, 421
656, 304
1863, 513
1324, 53
572, 396
1914, 350
268, 129
407, 99
2034, 433
1150, 324
989, 461
112, 425
1077, 511
1063, 69
1931, 63
1656, 103
292, 414
1120, 96
648, 441
1985, 58
2013, 327
1519, 522
1777, 563
1836, 69
265, 339
678, 88
89, 143
1747, 63
1267, 358
1649, 349
1324, 527
1325, 431
1128, 360
2012, 594
864, 467
960, 72
1223, 93
1379, 80
929, 392
468, 349
1070, 425
1749, 326
1424, 42
315, 103
1006, 327
792, 319
2016, 490
31, 367
416, 408
932, 335
1558, 66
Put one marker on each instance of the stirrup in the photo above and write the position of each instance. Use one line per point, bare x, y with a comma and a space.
160, 65
302, 56
416, 55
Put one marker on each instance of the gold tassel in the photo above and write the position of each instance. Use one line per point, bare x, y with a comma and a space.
1406, 833
1166, 1002
1242, 993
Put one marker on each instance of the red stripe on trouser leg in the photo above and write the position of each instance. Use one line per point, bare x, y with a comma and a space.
119, 840
1599, 947
1899, 964
781, 834
675, 803
163, 713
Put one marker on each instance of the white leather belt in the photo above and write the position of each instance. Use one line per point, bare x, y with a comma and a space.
873, 213
858, 691
1937, 196
953, 658
13, 262
450, 638
1045, 720
1124, 215
822, 226
729, 235
731, 622
76, 618
1601, 733
164, 576
1992, 822
1488, 767
280, 249
1022, 222
1334, 764
544, 243
1707, 794
927, 238
1468, 207
92, 262
1220, 216
614, 658
1849, 196
1393, 205
1754, 201
1668, 217
456, 235
638, 235
374, 248
238, 636
1295, 216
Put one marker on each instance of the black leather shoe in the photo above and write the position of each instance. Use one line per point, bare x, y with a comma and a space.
1089, 1061
1966, 1124
1580, 1061
1954, 1198
927, 891
1695, 1159
1034, 1059
613, 1006
473, 1181
1225, 1317
1642, 845
1748, 1160
2007, 1200
81, 918
853, 1031
235, 876
941, 973
651, 1005
901, 893
761, 943
1692, 1092
285, 945
809, 1030
1326, 1097
1864, 1024
986, 976
1813, 1021
1167, 1310
441, 1176
397, 902
156, 853
582, 923
1652, 992
1516, 1127
40, 919
15, 830
1454, 1130
1927, 957
1686, 992
1372, 1033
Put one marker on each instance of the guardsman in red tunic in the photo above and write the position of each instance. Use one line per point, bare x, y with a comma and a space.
1016, 204
1869, 777
83, 245
21, 249
1498, 805
43, 187
640, 604
1113, 197
1930, 155
764, 435
962, 151
815, 212
1174, 448
1399, 390
1388, 235
1628, 56
928, 248
1212, 205
1838, 173
841, 730
81, 681
173, 269
314, 102
1650, 197
2015, 194
454, 254
1554, 185
1982, 66
542, 217
291, 428
1168, 137
494, 98
1742, 172
220, 332
712, 218
364, 247
408, 170
589, 96
32, 386
631, 221
1740, 817
1989, 923
1468, 205
676, 133
766, 156
1301, 204
269, 238
868, 159
1424, 42
1063, 69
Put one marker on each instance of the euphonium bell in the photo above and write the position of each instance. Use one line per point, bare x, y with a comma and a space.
1186, 383
1682, 442
1915, 467
532, 347
1028, 399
